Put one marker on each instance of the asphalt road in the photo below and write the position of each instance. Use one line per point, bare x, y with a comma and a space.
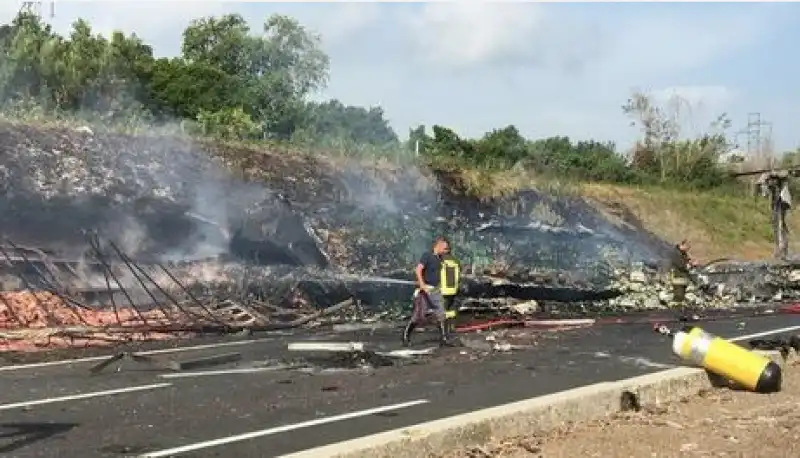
62, 411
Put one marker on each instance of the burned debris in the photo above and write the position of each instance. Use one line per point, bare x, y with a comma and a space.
184, 240
111, 299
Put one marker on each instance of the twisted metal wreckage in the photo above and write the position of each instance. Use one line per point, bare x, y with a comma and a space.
48, 302
110, 300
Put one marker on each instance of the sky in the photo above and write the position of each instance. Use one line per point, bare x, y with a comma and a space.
547, 68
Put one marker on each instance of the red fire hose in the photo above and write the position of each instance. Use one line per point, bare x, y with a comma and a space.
504, 323
790, 309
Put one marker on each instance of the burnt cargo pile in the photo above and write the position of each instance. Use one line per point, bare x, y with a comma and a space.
300, 231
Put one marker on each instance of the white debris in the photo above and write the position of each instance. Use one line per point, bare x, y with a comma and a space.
326, 346
524, 308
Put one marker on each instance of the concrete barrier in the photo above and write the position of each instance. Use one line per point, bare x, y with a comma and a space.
536, 415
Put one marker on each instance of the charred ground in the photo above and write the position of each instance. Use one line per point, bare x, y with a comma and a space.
172, 196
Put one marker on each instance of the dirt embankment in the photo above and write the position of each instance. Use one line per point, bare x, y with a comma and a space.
177, 197
362, 215
720, 226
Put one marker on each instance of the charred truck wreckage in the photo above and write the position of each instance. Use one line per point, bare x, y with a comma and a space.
113, 238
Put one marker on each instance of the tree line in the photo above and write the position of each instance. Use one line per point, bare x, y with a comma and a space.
233, 83
228, 80
662, 156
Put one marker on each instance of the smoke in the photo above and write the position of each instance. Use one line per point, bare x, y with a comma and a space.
388, 211
139, 191
395, 191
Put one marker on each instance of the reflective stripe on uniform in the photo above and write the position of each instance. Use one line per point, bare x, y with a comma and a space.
449, 277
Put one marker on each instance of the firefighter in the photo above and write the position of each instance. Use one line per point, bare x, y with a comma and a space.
428, 299
681, 263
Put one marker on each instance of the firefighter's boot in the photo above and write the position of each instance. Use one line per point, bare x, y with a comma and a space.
443, 334
407, 333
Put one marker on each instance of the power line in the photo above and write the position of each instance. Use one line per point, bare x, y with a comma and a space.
758, 135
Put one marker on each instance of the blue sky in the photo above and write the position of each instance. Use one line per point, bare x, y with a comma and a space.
548, 68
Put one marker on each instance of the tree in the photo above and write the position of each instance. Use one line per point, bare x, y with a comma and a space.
276, 71
82, 71
27, 44
658, 131
100, 74
503, 146
334, 120
446, 142
182, 89
292, 51
221, 43
418, 138
663, 153
584, 160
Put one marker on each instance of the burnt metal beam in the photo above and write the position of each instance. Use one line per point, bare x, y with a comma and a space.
792, 171
167, 364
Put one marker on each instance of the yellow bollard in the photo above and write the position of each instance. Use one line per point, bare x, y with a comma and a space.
751, 370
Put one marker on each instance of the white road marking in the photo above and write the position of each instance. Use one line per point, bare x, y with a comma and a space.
77, 397
644, 362
358, 441
765, 333
280, 429
91, 359
244, 370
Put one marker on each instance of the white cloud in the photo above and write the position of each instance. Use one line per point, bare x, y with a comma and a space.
548, 68
338, 22
472, 33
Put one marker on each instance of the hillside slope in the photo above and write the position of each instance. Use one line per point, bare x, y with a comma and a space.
57, 177
720, 227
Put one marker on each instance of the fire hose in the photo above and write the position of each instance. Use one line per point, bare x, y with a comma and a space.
550, 323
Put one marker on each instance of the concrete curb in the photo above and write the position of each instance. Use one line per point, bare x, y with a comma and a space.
539, 414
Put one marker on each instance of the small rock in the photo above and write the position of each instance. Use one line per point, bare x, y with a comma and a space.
524, 308
638, 277
652, 303
673, 424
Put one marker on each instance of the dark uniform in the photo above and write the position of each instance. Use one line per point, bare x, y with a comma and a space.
430, 301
